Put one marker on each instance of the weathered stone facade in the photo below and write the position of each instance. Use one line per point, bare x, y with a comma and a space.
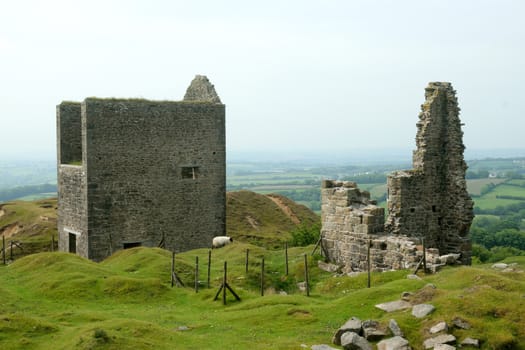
139, 172
430, 201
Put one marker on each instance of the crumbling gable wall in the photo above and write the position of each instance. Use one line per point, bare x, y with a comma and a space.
431, 201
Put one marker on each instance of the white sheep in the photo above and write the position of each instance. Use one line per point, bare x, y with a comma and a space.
221, 241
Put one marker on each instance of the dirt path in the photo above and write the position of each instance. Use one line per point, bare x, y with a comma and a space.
286, 209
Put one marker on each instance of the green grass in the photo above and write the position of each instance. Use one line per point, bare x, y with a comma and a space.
61, 301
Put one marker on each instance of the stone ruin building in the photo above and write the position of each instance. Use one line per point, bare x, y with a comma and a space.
135, 172
428, 202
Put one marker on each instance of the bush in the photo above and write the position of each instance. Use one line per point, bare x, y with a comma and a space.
304, 234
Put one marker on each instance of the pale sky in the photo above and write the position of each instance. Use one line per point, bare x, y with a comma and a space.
294, 75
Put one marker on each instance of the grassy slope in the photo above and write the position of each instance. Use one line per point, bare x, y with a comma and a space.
33, 222
61, 301
256, 218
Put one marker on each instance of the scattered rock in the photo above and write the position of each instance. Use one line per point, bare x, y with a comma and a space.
394, 306
440, 327
327, 266
430, 285
372, 331
470, 342
449, 259
352, 325
394, 327
440, 339
395, 343
422, 310
301, 286
459, 323
183, 328
406, 296
352, 341
500, 266
322, 347
413, 277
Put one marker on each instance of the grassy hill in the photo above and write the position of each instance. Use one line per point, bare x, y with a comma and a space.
61, 301
264, 219
31, 223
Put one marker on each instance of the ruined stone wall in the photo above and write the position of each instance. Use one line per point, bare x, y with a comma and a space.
432, 199
155, 174
348, 217
429, 202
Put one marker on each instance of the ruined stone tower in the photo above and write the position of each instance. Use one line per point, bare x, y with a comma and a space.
430, 201
141, 173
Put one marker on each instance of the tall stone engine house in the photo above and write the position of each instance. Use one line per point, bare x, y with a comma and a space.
135, 172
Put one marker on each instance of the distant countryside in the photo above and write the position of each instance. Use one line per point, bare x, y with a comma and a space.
497, 187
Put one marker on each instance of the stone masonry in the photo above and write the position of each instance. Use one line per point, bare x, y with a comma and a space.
141, 173
430, 201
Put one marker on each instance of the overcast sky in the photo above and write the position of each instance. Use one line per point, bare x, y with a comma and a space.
294, 75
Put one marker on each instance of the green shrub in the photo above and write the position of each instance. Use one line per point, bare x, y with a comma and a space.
305, 235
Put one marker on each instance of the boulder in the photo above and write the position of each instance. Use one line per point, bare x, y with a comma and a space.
500, 266
422, 310
470, 342
460, 323
327, 266
394, 306
352, 325
372, 331
395, 343
439, 327
440, 339
394, 327
352, 341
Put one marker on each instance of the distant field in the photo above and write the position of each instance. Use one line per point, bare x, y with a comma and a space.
474, 186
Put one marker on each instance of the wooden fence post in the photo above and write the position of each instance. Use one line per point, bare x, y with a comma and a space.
306, 275
369, 262
246, 260
262, 277
286, 257
224, 282
209, 267
424, 255
196, 274
172, 269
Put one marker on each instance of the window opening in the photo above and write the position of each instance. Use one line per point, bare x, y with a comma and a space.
190, 172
